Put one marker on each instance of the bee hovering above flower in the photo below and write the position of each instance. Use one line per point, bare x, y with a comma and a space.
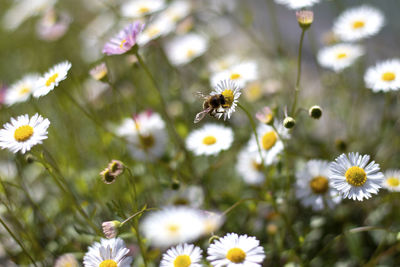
221, 101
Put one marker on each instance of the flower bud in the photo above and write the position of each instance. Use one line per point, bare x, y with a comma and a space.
99, 72
265, 115
289, 122
107, 176
305, 18
110, 228
315, 112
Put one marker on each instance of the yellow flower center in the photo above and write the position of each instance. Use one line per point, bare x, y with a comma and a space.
100, 75
143, 9
229, 97
358, 24
269, 139
236, 255
209, 140
121, 45
319, 185
356, 176
182, 261
257, 165
153, 31
341, 56
393, 181
23, 133
52, 79
147, 141
173, 229
108, 263
190, 53
388, 76
235, 76
24, 91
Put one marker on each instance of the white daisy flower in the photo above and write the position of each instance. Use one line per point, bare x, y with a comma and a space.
23, 133
392, 180
297, 4
212, 221
269, 140
358, 23
241, 74
176, 11
233, 250
312, 186
140, 8
209, 140
192, 196
109, 252
173, 225
353, 178
183, 49
21, 90
339, 56
146, 135
183, 255
231, 92
66, 260
223, 63
157, 28
249, 165
51, 79
384, 76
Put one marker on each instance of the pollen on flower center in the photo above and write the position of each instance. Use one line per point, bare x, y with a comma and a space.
319, 184
190, 53
209, 140
143, 9
52, 79
393, 181
121, 45
388, 76
235, 76
182, 261
236, 255
269, 139
341, 55
108, 263
173, 228
358, 24
24, 90
23, 133
356, 176
229, 97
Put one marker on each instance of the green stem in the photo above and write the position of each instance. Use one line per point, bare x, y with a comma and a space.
253, 126
297, 87
19, 242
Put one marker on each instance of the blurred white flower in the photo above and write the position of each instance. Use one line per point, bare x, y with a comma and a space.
269, 139
240, 73
358, 23
223, 63
52, 27
140, 8
354, 178
339, 56
384, 76
66, 260
297, 4
192, 196
312, 186
21, 90
209, 140
157, 28
392, 180
183, 49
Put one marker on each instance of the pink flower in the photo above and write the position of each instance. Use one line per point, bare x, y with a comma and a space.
124, 40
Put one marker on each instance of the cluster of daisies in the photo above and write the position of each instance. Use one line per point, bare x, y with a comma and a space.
230, 250
352, 26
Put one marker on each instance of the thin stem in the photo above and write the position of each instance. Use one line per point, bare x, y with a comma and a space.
136, 214
19, 242
297, 87
253, 126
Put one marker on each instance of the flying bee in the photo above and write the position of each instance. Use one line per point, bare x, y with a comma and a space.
212, 105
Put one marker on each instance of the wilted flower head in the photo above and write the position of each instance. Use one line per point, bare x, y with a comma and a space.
107, 177
116, 167
110, 228
265, 115
124, 40
99, 72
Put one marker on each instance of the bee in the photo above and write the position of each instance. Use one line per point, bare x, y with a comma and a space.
212, 105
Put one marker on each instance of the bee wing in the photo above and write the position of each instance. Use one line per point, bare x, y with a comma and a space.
201, 95
201, 115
